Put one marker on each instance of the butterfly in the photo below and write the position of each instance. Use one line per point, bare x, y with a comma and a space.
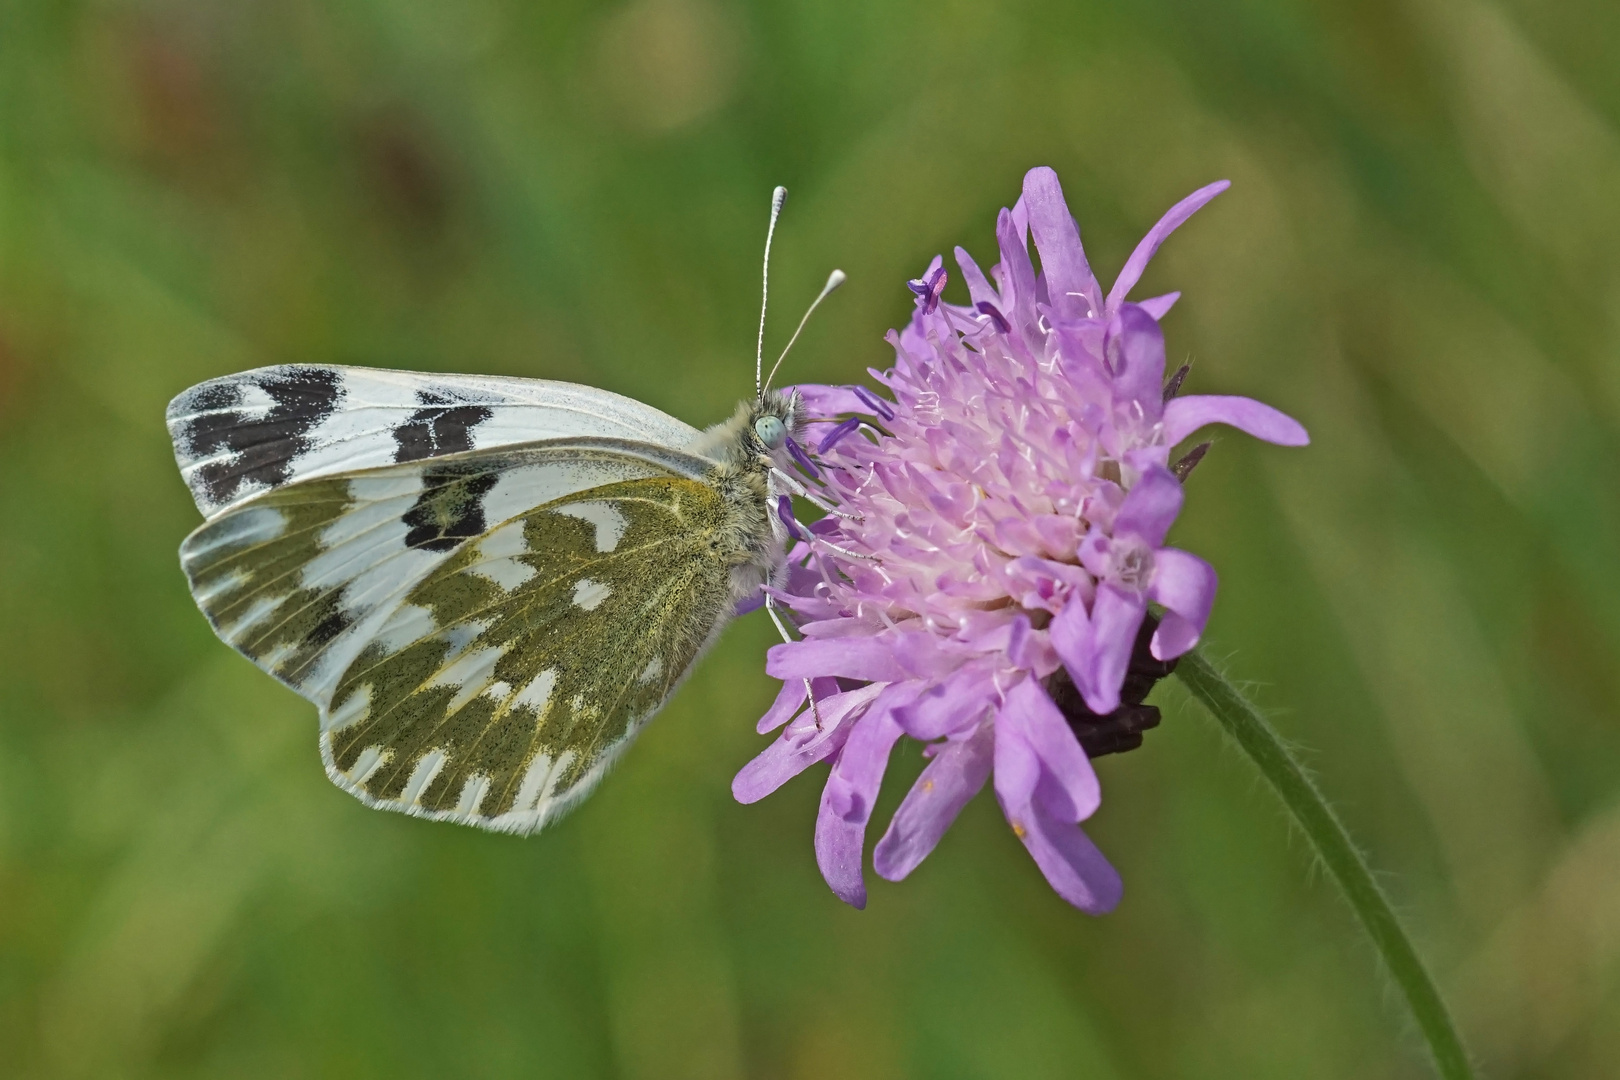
487, 586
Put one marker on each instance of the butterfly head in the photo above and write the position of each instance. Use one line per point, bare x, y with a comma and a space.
760, 434
771, 431
774, 419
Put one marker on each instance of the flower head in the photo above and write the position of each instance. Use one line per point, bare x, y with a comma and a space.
983, 581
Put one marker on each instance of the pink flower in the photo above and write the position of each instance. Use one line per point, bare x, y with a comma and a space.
997, 536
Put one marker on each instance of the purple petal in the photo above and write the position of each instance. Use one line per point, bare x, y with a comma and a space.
827, 402
1134, 348
914, 342
1185, 584
851, 657
1174, 637
1073, 866
1105, 650
1097, 553
1071, 286
1082, 343
925, 655
1151, 506
846, 801
948, 706
1024, 647
1069, 633
1132, 272
1016, 644
752, 602
781, 761
947, 784
1017, 275
806, 741
788, 700
1159, 306
979, 287
1067, 787
1017, 767
1185, 415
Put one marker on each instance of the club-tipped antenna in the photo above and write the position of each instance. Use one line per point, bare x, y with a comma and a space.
834, 279
778, 197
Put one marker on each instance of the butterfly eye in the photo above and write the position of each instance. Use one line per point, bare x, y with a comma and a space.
771, 431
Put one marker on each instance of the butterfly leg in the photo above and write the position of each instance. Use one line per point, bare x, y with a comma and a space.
793, 485
845, 552
798, 531
809, 692
770, 609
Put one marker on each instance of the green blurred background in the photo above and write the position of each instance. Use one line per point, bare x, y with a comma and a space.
1419, 258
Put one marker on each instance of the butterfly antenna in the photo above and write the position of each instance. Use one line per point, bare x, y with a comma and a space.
834, 279
778, 197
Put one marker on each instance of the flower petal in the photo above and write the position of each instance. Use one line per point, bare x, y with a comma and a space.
850, 657
1151, 506
1185, 415
1105, 651
947, 784
1174, 637
1069, 632
781, 761
1071, 862
1131, 273
827, 401
1070, 284
1017, 274
979, 287
949, 706
1068, 785
1074, 867
923, 654
1134, 348
814, 736
788, 700
1185, 584
852, 787
1159, 306
1017, 766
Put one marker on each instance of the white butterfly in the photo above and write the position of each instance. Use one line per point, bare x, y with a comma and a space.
486, 585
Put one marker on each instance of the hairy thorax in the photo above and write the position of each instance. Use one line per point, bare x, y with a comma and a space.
751, 539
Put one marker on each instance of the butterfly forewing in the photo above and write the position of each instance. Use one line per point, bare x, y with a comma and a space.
516, 670
241, 435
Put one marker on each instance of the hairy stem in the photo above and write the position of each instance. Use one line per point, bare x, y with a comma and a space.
1327, 835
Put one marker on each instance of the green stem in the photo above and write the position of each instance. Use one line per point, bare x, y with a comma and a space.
1327, 835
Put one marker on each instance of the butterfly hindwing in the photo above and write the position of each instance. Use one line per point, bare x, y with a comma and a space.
518, 668
300, 578
245, 434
